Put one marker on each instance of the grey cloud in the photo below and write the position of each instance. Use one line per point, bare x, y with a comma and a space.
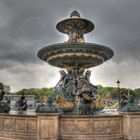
26, 26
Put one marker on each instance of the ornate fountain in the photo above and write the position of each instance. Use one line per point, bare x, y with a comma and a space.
74, 93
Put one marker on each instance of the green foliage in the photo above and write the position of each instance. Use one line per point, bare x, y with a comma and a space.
105, 92
137, 92
36, 91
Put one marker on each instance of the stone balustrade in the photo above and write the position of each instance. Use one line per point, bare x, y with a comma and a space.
55, 126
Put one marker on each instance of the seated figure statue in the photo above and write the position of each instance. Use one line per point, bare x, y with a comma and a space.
65, 92
130, 106
47, 108
21, 103
124, 100
4, 104
70, 85
1, 94
84, 80
81, 81
86, 100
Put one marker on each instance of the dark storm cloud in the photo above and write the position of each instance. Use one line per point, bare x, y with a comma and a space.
27, 25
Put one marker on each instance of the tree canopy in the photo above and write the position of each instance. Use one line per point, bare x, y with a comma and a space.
36, 91
105, 92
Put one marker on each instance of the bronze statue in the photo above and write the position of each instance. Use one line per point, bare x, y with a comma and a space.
47, 108
124, 100
4, 105
70, 84
1, 91
21, 103
86, 100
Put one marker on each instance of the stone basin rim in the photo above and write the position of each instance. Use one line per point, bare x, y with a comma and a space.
90, 25
65, 115
83, 45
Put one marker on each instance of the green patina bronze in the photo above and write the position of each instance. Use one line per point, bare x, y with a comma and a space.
4, 104
130, 106
74, 93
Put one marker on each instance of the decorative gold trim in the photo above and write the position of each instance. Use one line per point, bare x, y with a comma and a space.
75, 53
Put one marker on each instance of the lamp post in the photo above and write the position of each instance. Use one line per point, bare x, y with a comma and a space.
119, 96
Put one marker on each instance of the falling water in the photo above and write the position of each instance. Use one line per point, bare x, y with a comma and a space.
24, 24
28, 20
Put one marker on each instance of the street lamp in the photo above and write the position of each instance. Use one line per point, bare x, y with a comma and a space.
119, 96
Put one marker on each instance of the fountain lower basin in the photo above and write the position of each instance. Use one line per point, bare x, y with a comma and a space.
53, 126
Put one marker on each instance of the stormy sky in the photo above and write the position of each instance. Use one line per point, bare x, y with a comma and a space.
28, 25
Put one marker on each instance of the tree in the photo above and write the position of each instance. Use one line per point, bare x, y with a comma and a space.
137, 92
36, 91
103, 91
